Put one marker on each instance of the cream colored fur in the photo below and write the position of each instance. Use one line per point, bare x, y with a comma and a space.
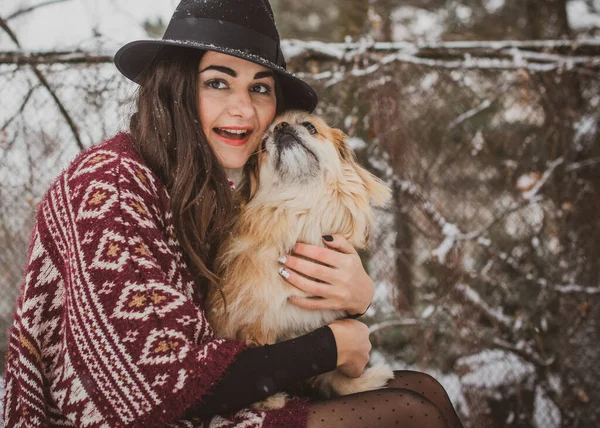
301, 197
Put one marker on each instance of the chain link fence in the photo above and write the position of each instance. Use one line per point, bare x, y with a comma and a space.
485, 261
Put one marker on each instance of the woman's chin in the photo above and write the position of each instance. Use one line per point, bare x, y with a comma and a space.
233, 160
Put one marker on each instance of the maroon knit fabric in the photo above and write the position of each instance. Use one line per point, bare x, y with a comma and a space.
109, 330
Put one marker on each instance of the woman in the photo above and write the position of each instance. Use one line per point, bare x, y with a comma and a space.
110, 329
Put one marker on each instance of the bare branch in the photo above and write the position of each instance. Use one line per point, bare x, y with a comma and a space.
32, 8
45, 84
36, 58
393, 323
469, 114
474, 299
23, 104
526, 352
516, 207
578, 165
531, 193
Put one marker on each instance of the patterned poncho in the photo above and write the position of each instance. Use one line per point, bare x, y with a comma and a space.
109, 330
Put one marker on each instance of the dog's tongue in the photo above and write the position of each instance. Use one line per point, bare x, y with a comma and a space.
230, 135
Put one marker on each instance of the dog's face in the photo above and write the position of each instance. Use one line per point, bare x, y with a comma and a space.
300, 149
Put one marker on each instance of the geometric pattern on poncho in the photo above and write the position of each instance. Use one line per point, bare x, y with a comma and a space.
109, 330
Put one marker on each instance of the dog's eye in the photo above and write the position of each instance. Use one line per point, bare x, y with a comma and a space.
311, 128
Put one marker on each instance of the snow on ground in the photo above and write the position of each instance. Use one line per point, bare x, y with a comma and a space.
491, 369
546, 414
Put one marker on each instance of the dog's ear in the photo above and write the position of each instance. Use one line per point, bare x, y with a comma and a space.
378, 191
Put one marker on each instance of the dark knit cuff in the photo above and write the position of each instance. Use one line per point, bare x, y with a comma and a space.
260, 372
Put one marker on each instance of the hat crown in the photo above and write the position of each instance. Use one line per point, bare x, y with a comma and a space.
256, 15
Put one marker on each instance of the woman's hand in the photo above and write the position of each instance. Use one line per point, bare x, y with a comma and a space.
345, 284
353, 346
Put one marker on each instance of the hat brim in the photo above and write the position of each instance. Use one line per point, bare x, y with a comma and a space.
134, 57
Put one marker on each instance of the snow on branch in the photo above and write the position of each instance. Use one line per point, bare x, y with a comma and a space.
452, 235
293, 48
394, 323
578, 165
495, 315
531, 193
536, 56
573, 288
469, 114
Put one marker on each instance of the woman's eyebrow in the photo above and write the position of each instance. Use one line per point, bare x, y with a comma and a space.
233, 73
263, 74
222, 69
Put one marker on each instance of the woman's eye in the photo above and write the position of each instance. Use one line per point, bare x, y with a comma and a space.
261, 89
310, 127
216, 84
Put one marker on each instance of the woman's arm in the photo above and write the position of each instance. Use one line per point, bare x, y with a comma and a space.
260, 372
263, 371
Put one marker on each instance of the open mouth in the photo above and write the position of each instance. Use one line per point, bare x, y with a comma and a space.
234, 137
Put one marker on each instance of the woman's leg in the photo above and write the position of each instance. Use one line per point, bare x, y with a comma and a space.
389, 407
430, 388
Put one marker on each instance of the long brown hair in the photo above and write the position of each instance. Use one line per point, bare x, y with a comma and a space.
167, 133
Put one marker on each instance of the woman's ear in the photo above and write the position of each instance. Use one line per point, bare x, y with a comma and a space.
379, 192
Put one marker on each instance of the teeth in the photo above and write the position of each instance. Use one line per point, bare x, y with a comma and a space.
234, 131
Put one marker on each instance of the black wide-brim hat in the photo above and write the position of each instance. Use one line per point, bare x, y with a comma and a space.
241, 28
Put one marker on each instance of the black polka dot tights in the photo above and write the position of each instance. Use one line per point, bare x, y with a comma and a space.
410, 400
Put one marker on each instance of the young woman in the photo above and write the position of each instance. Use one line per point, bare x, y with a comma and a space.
110, 329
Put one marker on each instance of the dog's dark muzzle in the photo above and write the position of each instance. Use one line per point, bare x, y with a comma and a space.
285, 136
286, 139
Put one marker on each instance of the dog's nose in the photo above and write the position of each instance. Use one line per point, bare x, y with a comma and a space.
286, 139
280, 126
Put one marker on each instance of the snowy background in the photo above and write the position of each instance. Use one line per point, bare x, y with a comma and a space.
486, 262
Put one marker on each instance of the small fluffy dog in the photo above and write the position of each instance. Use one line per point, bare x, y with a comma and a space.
310, 185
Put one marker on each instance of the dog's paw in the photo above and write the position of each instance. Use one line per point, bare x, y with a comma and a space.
274, 402
375, 377
378, 376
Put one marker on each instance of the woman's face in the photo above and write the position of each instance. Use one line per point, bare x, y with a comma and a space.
236, 101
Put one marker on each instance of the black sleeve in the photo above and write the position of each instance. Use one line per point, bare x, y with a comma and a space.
259, 372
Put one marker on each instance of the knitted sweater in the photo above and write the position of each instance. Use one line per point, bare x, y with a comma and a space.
109, 330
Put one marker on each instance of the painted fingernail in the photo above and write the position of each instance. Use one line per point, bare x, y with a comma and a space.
284, 273
328, 238
282, 260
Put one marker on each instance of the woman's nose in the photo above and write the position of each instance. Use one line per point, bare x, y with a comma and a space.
241, 105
